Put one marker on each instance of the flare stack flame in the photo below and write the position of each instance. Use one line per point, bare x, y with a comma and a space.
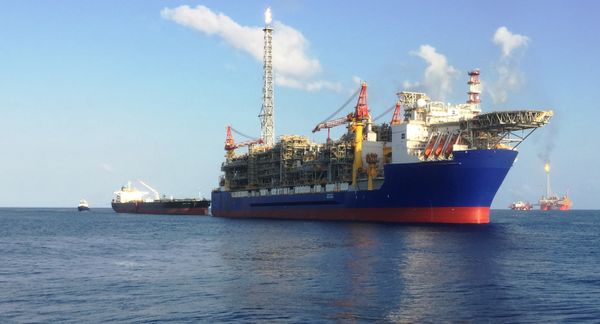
268, 16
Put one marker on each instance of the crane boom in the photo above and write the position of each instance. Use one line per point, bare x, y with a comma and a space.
156, 194
231, 145
332, 123
248, 143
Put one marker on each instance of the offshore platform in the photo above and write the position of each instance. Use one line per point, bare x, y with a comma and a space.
551, 201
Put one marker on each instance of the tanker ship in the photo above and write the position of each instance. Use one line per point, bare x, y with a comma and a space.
133, 201
433, 163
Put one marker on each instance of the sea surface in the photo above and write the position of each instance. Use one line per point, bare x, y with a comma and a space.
60, 265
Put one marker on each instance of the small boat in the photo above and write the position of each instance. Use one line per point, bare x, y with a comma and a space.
83, 205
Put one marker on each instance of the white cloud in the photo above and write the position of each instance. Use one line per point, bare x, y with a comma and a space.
508, 41
293, 67
510, 77
439, 75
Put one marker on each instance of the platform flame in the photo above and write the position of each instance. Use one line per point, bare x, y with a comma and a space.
268, 17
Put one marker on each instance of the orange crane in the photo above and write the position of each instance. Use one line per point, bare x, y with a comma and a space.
230, 144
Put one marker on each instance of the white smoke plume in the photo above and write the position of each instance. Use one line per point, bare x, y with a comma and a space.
438, 77
548, 143
293, 67
510, 78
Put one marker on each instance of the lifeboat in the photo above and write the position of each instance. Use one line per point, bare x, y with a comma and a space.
450, 145
440, 146
430, 145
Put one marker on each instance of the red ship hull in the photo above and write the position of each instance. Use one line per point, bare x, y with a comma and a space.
448, 215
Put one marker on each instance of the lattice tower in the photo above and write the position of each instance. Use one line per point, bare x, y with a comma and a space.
267, 123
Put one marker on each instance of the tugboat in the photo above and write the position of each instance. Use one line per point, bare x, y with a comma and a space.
83, 205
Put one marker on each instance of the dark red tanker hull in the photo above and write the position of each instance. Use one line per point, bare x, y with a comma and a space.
164, 207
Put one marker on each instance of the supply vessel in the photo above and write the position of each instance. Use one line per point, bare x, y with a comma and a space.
521, 205
133, 201
433, 162
83, 205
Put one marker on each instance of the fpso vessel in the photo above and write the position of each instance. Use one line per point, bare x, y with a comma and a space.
130, 200
439, 163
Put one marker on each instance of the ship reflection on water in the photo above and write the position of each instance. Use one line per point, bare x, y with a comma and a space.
448, 272
360, 271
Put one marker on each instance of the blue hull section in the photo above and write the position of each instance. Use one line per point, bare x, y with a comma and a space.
439, 191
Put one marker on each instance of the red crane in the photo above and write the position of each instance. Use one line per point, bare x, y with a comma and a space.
396, 118
361, 112
332, 123
230, 144
362, 109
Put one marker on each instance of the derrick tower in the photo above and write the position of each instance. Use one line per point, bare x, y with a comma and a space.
267, 123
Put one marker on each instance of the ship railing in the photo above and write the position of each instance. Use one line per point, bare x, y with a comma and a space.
509, 120
331, 187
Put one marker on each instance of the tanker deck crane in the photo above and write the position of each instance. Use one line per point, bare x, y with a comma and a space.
156, 194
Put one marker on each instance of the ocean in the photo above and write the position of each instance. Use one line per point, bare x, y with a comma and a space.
60, 265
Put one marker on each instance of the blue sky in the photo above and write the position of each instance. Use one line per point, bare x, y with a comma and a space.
93, 94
